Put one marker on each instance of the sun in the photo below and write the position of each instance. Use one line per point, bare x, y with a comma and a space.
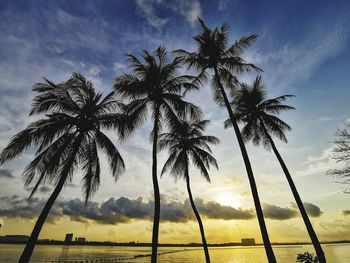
228, 199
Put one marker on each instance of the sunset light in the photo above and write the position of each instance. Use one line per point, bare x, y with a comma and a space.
174, 131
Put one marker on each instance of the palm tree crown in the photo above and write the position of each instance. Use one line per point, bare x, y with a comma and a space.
156, 84
214, 53
259, 114
186, 142
69, 134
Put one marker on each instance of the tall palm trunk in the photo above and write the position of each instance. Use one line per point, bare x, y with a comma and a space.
201, 228
310, 229
265, 236
156, 217
28, 250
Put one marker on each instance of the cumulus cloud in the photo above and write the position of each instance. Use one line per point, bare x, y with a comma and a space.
124, 210
121, 210
217, 211
279, 213
18, 207
312, 210
284, 213
5, 173
345, 212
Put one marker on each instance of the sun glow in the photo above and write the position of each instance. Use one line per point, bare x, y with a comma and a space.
228, 199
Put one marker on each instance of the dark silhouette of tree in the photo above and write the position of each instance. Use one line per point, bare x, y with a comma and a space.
156, 85
261, 123
186, 143
214, 54
341, 153
69, 135
307, 258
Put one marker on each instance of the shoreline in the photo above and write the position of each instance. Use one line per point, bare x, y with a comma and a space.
134, 244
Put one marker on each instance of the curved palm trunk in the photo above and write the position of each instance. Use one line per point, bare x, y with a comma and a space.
265, 236
310, 229
28, 250
156, 217
201, 228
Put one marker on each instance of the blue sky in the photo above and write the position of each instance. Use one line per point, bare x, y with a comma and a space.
303, 48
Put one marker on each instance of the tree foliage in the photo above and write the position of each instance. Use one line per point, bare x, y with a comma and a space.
69, 134
341, 153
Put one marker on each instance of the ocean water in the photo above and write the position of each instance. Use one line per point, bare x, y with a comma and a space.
335, 253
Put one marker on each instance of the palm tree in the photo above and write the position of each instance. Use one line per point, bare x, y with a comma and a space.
261, 123
213, 54
186, 142
156, 85
69, 135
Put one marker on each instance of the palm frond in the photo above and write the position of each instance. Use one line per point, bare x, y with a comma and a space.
115, 160
238, 48
186, 141
91, 168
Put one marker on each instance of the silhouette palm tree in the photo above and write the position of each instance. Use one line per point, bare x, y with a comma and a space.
214, 54
156, 85
260, 122
69, 135
186, 142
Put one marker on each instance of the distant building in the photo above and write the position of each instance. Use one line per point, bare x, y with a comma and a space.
248, 241
68, 238
80, 239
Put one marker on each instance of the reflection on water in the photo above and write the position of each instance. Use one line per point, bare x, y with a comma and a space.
64, 253
335, 253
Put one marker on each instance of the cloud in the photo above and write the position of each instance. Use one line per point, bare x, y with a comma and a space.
124, 210
284, 213
147, 10
345, 212
188, 9
18, 207
215, 210
121, 210
94, 71
45, 189
191, 10
297, 62
119, 66
5, 173
312, 210
279, 213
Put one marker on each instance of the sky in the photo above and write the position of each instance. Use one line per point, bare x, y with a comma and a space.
303, 48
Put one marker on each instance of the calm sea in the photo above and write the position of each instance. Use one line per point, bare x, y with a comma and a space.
335, 253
